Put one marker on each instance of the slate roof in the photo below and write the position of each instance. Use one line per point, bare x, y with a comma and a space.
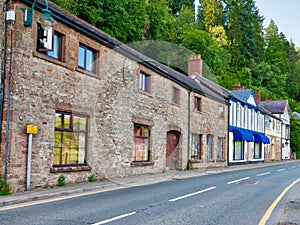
275, 107
185, 81
242, 94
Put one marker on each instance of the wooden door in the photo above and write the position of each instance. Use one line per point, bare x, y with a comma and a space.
172, 151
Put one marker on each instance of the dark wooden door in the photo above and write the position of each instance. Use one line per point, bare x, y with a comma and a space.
172, 152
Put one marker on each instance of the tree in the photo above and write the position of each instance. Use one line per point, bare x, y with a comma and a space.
295, 136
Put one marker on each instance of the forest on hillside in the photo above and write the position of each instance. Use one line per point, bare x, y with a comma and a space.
229, 35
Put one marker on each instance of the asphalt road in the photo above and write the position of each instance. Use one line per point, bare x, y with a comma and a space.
233, 198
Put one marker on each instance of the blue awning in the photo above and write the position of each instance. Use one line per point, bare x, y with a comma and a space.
240, 134
260, 138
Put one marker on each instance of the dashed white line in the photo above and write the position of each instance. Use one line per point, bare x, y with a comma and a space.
235, 181
262, 174
280, 170
114, 218
189, 195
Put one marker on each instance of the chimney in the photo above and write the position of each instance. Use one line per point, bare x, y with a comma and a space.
195, 65
238, 87
257, 97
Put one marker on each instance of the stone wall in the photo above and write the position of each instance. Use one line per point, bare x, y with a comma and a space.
40, 85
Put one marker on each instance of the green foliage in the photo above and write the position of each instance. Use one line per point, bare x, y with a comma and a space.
61, 180
4, 188
295, 136
92, 178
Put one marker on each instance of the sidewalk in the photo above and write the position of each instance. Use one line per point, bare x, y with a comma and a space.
291, 214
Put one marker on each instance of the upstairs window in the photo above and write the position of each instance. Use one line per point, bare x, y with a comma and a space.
145, 82
197, 104
86, 58
221, 111
175, 96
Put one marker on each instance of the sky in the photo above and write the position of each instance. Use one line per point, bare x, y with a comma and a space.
285, 14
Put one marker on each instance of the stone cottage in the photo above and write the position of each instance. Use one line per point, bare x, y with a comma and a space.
97, 106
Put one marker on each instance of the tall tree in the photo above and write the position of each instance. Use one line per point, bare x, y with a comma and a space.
244, 31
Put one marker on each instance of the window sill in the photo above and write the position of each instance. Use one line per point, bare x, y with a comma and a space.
141, 164
197, 161
92, 74
52, 60
70, 169
145, 93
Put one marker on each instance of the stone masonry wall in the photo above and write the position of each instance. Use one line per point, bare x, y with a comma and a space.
41, 85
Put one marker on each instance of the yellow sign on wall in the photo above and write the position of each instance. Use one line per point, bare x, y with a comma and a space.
32, 129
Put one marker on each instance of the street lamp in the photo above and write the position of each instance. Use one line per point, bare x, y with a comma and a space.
46, 20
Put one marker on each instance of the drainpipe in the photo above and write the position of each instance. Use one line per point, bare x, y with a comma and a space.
2, 85
189, 126
228, 124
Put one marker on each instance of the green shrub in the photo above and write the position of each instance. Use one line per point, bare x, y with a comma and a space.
298, 155
4, 188
92, 178
61, 180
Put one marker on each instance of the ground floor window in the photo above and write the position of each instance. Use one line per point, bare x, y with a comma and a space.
220, 149
257, 150
141, 143
238, 153
70, 138
196, 146
209, 149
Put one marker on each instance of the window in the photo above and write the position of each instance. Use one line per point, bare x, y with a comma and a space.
209, 149
246, 117
175, 96
257, 150
197, 104
141, 143
220, 150
70, 141
238, 114
145, 82
196, 146
56, 51
86, 58
277, 125
238, 153
221, 111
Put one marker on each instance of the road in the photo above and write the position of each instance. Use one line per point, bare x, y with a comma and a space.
233, 198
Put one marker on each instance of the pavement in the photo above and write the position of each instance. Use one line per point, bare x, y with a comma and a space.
290, 213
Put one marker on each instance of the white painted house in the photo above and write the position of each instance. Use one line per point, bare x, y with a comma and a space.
246, 128
281, 109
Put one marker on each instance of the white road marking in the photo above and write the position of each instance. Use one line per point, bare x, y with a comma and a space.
114, 218
189, 195
262, 174
281, 170
235, 181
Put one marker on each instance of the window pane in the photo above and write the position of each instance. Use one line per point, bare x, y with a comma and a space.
79, 123
58, 120
141, 143
142, 82
89, 60
81, 56
56, 48
56, 156
67, 121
